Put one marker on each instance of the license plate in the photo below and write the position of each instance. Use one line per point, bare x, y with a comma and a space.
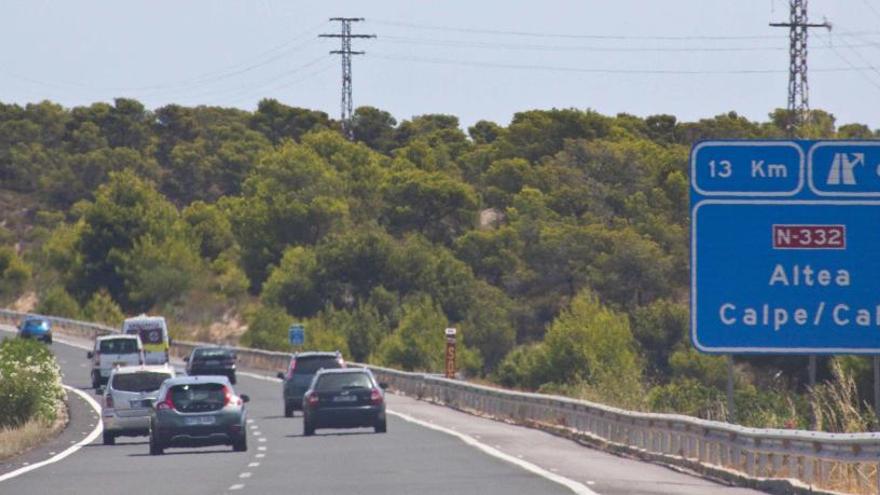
199, 420
139, 403
212, 363
344, 398
119, 363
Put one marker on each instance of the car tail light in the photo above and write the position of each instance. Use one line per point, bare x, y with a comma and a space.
227, 396
341, 362
108, 401
376, 397
165, 405
290, 370
312, 399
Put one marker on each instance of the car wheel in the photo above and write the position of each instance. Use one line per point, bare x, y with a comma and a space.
381, 427
232, 379
49, 340
288, 411
155, 447
308, 428
240, 445
109, 438
96, 381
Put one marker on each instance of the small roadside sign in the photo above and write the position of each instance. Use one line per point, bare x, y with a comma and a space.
296, 334
450, 352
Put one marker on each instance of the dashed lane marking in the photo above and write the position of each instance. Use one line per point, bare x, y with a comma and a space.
260, 456
236, 487
572, 485
261, 439
244, 475
70, 450
254, 464
261, 448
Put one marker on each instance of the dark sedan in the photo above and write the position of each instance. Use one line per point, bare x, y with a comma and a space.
344, 398
211, 361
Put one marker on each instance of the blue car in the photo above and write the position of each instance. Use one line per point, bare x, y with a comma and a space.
36, 328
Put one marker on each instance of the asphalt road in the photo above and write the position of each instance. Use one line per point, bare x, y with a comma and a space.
413, 457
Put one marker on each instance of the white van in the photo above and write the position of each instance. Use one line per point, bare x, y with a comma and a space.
153, 332
111, 351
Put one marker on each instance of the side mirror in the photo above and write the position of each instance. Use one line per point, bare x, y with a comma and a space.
383, 385
245, 397
90, 355
280, 375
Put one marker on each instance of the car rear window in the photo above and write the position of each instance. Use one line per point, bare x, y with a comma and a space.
213, 354
36, 324
341, 381
311, 364
119, 346
147, 381
195, 397
149, 335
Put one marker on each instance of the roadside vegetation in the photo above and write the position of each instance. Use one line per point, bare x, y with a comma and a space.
556, 244
31, 407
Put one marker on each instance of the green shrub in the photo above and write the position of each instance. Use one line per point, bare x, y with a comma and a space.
57, 302
30, 382
101, 308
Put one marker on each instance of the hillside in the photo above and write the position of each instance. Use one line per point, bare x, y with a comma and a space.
557, 244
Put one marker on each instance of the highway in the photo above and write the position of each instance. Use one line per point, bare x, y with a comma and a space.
427, 450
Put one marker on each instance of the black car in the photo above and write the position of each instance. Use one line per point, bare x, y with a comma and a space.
211, 361
300, 371
344, 398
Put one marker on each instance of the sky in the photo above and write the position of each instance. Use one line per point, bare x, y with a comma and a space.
485, 59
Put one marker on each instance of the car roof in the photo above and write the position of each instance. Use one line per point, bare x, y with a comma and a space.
189, 380
213, 348
144, 317
310, 354
118, 336
342, 371
143, 368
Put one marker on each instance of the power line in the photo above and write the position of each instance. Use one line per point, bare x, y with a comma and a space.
533, 34
798, 87
595, 70
587, 48
345, 50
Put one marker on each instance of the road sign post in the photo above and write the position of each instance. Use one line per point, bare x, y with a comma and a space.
296, 334
784, 243
450, 352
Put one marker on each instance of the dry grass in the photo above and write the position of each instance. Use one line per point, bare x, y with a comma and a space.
15, 441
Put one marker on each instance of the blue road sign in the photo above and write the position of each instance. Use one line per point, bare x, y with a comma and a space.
296, 334
785, 247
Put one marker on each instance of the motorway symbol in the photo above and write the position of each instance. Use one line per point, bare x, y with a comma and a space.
296, 334
781, 268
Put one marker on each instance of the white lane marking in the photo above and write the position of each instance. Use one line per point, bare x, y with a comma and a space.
70, 450
253, 427
251, 421
572, 485
261, 448
256, 433
261, 439
254, 464
591, 483
244, 475
236, 487
260, 456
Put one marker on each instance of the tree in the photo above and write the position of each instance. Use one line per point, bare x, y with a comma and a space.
125, 209
278, 121
375, 128
418, 343
430, 203
211, 228
14, 272
292, 198
101, 308
293, 285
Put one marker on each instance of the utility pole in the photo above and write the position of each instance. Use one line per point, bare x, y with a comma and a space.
798, 89
345, 36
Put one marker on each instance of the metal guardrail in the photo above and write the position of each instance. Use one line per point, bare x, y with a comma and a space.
817, 460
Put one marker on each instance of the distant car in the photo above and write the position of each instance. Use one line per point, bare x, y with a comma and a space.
128, 400
300, 371
35, 327
112, 351
211, 361
344, 398
194, 411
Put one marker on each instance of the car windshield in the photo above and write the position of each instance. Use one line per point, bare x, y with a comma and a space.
213, 354
311, 364
118, 346
147, 381
198, 396
342, 381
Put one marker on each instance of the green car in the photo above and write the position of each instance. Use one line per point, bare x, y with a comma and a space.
195, 411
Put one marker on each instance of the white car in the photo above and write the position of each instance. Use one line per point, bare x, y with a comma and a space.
128, 399
112, 351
